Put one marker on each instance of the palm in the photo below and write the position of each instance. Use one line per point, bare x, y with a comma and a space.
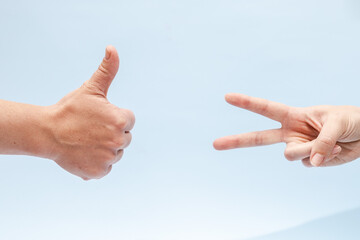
300, 128
297, 129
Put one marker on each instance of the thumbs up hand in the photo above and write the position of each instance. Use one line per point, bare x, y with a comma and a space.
90, 133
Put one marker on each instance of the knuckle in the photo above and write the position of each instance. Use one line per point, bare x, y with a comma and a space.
120, 121
118, 142
245, 102
126, 141
120, 153
95, 173
306, 163
129, 138
121, 143
235, 142
264, 108
337, 117
336, 162
110, 159
131, 115
326, 141
108, 170
90, 86
93, 86
117, 120
126, 118
258, 139
289, 154
103, 71
118, 156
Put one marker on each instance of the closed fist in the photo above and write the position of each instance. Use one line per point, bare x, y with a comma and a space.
90, 134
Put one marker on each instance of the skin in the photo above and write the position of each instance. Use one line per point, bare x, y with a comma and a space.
83, 133
320, 136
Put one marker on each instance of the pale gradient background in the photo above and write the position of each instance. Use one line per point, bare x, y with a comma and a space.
178, 59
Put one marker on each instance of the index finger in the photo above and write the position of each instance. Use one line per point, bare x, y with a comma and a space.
273, 110
130, 119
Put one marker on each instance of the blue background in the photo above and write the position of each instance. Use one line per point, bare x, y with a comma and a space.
178, 59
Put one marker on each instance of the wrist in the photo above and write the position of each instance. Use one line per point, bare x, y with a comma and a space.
42, 142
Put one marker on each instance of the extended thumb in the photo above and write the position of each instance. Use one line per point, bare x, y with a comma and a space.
107, 70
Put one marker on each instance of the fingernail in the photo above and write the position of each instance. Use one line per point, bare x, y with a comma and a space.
317, 160
107, 54
336, 150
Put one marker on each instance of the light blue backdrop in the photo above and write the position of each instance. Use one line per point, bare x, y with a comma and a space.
178, 59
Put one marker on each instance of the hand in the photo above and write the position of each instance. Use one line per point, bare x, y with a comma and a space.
89, 132
319, 136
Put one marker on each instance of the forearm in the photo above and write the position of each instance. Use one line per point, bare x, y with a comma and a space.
25, 129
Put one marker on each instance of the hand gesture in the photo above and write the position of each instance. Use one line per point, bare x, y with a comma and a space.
319, 135
90, 133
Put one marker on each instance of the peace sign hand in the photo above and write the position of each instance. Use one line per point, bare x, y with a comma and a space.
319, 135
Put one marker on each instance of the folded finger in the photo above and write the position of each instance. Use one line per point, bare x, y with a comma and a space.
325, 142
130, 119
298, 151
118, 156
306, 162
332, 160
303, 150
126, 140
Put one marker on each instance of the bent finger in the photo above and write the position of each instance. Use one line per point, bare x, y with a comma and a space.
303, 150
306, 162
131, 119
123, 140
325, 142
118, 156
108, 170
332, 160
298, 151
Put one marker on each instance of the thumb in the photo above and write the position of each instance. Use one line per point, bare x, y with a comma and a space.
104, 75
324, 144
